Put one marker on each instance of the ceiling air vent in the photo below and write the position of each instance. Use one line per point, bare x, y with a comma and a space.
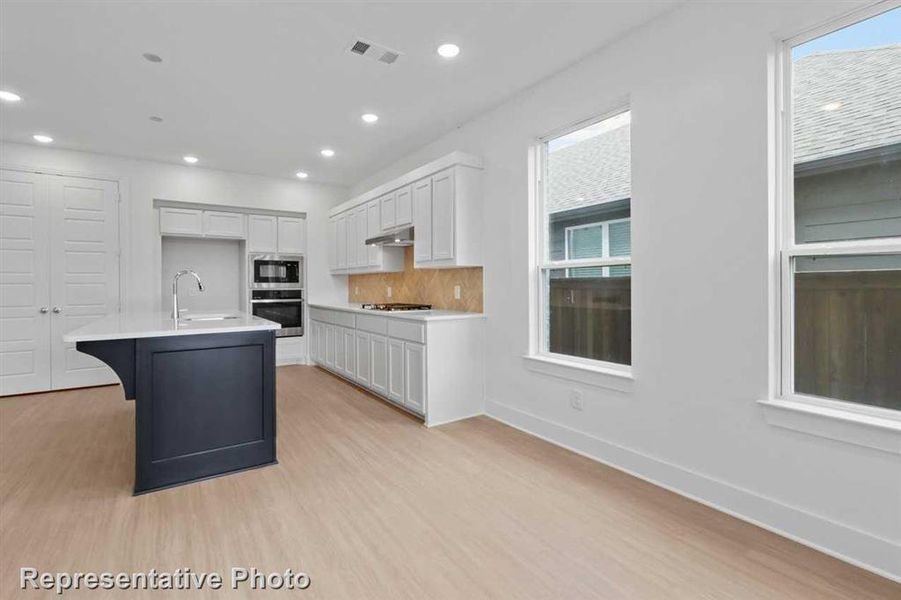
376, 52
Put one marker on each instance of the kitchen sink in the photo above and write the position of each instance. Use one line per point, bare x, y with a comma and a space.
208, 317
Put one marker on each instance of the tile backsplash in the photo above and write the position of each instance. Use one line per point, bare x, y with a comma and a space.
425, 286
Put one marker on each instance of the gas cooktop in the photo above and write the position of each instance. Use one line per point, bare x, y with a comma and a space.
396, 306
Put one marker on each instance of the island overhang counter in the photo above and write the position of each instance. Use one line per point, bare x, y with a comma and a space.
204, 391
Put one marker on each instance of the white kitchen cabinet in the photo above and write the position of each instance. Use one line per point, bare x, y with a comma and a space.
396, 371
341, 242
350, 352
415, 377
333, 244
224, 224
403, 206
362, 234
443, 215
292, 234
181, 221
363, 359
432, 368
351, 241
373, 229
378, 354
422, 220
389, 208
262, 233
331, 347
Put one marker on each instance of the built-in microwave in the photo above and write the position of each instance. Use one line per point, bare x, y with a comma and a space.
275, 271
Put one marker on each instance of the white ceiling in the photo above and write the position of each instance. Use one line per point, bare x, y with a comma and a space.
261, 87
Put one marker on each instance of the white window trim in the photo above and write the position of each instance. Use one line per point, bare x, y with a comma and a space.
868, 426
592, 372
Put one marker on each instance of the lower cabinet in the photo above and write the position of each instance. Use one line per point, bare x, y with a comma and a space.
390, 357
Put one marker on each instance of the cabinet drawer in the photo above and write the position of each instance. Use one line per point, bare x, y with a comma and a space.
373, 324
181, 221
224, 224
335, 317
411, 331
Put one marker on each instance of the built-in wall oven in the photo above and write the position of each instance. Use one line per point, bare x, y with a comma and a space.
276, 290
275, 271
282, 306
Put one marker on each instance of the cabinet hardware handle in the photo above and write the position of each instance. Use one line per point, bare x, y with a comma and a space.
44, 310
57, 309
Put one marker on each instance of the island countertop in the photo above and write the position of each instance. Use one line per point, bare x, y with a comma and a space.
410, 315
120, 326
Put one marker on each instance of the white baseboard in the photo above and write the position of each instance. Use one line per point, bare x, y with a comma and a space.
859, 548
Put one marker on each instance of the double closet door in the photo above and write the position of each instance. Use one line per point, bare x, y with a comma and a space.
59, 270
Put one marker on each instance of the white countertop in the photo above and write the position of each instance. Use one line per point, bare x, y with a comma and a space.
411, 315
123, 326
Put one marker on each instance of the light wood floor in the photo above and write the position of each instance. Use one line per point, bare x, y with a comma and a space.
373, 505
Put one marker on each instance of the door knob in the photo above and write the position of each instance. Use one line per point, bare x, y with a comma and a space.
57, 309
44, 310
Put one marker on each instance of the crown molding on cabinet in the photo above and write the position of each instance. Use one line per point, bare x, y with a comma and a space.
161, 203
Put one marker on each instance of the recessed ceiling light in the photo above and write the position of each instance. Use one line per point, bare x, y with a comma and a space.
327, 152
44, 139
154, 58
301, 175
370, 118
448, 50
156, 119
190, 159
9, 96
831, 106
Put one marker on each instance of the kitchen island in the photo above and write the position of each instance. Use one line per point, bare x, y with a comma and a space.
204, 391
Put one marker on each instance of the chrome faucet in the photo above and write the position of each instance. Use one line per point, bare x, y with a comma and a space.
175, 289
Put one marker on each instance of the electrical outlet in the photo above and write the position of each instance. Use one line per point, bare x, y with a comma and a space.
389, 291
576, 401
456, 292
356, 290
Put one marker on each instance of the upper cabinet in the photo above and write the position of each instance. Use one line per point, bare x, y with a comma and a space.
442, 200
292, 235
262, 234
285, 233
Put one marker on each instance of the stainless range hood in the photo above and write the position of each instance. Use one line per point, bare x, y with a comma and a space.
398, 237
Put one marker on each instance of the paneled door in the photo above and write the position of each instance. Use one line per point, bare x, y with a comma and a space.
84, 272
24, 284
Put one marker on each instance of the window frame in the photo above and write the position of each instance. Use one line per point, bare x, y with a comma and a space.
786, 249
605, 238
542, 265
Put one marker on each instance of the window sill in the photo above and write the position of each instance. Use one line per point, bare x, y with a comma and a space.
594, 375
836, 424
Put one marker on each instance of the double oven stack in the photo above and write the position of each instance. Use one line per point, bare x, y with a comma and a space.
276, 290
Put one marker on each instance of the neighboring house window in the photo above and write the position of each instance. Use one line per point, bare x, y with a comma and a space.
840, 283
609, 238
584, 272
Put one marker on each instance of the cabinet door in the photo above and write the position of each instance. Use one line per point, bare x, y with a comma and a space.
262, 233
341, 241
403, 206
422, 220
292, 234
181, 221
373, 229
362, 234
364, 366
224, 224
415, 379
323, 343
314, 341
332, 244
331, 346
351, 241
24, 283
443, 215
396, 370
389, 218
350, 352
378, 353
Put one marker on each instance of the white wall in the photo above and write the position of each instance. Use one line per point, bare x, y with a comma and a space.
219, 265
145, 181
697, 82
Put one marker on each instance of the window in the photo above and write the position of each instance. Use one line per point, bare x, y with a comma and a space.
840, 241
584, 271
